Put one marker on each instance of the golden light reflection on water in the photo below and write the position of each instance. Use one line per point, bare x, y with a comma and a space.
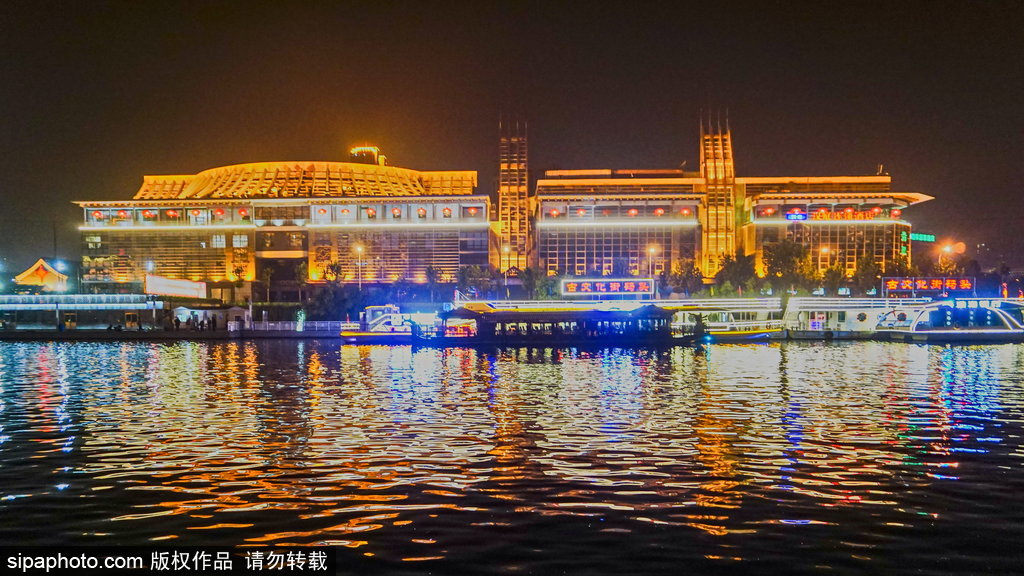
306, 442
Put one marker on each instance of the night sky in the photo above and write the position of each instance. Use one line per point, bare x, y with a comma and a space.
96, 95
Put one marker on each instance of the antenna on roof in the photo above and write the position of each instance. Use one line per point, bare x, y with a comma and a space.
881, 170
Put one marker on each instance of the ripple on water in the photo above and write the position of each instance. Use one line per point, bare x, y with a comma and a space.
853, 456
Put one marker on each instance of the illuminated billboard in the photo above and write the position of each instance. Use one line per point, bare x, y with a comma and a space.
930, 284
610, 287
172, 287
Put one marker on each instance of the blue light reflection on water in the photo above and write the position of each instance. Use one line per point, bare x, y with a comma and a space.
790, 456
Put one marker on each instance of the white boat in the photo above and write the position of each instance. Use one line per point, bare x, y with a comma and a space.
729, 319
841, 318
955, 321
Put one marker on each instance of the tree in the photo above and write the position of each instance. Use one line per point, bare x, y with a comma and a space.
548, 287
783, 261
900, 267
476, 279
737, 270
685, 277
266, 276
833, 277
433, 275
333, 271
867, 275
302, 276
529, 278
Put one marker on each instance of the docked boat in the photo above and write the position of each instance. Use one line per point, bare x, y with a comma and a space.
384, 324
955, 321
817, 318
617, 323
728, 319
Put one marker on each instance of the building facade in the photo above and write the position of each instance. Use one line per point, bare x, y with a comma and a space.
360, 221
641, 221
363, 221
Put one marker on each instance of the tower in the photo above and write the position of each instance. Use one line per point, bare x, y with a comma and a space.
514, 245
718, 219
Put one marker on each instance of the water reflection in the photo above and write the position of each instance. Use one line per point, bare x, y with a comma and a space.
422, 455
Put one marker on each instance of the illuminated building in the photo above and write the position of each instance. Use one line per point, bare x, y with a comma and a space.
640, 221
515, 241
364, 221
360, 221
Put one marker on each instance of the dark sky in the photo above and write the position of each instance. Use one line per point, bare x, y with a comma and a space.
95, 95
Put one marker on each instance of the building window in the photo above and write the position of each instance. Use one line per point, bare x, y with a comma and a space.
240, 240
218, 241
295, 239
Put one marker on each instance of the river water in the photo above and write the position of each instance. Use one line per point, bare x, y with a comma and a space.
789, 458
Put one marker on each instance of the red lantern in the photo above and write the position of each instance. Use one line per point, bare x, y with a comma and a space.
98, 215
172, 213
243, 212
218, 212
371, 212
148, 213
633, 212
848, 210
344, 210
122, 213
396, 212
322, 211
659, 211
472, 211
686, 211
554, 213
876, 210
196, 212
896, 213
447, 212
769, 211
422, 212
581, 212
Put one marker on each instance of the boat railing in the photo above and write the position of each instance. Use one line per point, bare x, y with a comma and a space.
733, 325
291, 326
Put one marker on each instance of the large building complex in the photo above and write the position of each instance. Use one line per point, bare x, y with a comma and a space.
365, 221
362, 221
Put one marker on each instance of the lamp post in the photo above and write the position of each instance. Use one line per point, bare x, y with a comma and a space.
506, 251
651, 251
359, 265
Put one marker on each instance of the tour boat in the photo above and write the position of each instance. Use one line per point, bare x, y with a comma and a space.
618, 323
955, 321
841, 318
728, 319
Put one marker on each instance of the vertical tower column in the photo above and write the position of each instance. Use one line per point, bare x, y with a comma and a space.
718, 218
515, 245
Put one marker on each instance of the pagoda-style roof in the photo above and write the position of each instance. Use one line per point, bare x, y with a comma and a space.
43, 275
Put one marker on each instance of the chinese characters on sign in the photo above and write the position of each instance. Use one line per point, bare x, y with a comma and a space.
613, 287
937, 285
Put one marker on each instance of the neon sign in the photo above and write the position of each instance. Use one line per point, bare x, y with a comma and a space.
612, 287
796, 216
916, 284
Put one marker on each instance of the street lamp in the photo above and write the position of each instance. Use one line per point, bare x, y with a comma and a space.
506, 250
651, 251
359, 265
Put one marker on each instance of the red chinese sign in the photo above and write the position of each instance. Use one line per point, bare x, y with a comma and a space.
619, 286
928, 284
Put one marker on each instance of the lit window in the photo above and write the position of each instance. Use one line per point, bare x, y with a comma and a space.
218, 241
240, 240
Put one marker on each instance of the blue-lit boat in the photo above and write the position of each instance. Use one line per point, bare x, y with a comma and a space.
615, 323
955, 321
